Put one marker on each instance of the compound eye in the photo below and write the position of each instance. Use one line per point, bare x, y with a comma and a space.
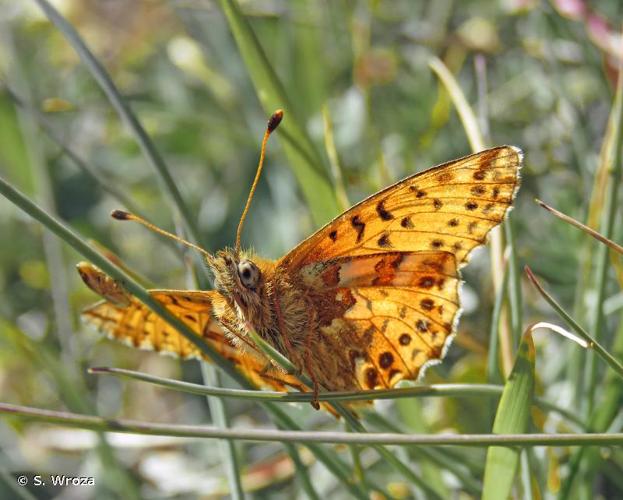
249, 274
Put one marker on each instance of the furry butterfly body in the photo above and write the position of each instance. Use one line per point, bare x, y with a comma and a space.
367, 301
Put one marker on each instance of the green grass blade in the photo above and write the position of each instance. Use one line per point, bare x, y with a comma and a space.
466, 114
125, 112
514, 284
306, 162
494, 374
512, 417
334, 160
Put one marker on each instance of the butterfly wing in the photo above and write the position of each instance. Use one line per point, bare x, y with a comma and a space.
384, 275
131, 322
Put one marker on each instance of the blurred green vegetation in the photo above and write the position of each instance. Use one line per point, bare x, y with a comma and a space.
539, 74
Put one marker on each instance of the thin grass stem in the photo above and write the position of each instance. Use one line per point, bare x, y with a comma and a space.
570, 220
369, 439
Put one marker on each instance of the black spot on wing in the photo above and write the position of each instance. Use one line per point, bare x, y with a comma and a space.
382, 211
358, 226
383, 241
407, 223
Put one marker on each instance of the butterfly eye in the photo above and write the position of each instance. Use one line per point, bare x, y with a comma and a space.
249, 274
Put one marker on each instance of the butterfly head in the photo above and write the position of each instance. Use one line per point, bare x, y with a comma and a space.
238, 277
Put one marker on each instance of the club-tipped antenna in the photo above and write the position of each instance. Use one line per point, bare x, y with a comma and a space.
273, 123
123, 215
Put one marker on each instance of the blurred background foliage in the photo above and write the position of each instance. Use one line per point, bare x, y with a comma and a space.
550, 73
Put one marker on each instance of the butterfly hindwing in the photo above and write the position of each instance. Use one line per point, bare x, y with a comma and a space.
384, 315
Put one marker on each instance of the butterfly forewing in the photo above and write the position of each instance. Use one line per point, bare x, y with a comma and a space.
384, 275
449, 208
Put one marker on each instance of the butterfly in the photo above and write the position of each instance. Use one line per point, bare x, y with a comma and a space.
369, 300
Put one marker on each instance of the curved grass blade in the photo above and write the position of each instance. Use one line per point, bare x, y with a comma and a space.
591, 341
512, 417
305, 161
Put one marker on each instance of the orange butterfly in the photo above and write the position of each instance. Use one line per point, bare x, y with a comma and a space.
368, 300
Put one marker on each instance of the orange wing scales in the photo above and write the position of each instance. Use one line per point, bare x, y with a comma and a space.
384, 276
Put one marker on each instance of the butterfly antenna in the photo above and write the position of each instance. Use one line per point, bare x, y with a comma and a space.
123, 215
273, 123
